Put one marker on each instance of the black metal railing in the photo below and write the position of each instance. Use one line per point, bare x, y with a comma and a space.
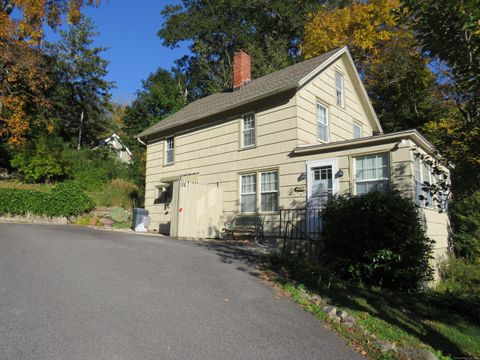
307, 220
298, 243
301, 231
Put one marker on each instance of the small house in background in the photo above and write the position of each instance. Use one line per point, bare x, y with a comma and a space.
116, 145
281, 145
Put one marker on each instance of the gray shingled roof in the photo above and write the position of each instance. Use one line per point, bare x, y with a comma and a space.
276, 82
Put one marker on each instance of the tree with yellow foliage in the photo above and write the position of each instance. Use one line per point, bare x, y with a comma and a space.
23, 73
403, 89
363, 26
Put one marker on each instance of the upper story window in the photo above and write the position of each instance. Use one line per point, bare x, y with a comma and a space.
322, 123
169, 148
371, 173
357, 130
339, 88
422, 179
248, 130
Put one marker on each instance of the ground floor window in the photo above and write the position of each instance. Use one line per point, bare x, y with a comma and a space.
248, 193
371, 173
268, 190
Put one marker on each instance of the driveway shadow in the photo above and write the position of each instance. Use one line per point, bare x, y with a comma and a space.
244, 254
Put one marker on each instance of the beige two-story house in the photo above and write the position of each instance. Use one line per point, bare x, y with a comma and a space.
287, 140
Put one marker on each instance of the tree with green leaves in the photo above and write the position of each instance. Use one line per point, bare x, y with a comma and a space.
82, 93
270, 31
161, 95
450, 31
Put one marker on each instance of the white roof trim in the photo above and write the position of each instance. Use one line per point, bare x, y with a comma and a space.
364, 94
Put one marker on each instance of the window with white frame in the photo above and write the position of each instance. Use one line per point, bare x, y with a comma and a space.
248, 193
371, 173
339, 88
248, 130
169, 148
357, 130
322, 122
269, 191
422, 179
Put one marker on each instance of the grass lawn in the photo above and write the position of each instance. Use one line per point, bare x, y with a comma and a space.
126, 225
410, 320
421, 320
14, 184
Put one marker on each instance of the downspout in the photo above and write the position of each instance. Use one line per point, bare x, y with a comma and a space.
141, 142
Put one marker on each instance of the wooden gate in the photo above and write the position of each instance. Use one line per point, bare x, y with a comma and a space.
196, 210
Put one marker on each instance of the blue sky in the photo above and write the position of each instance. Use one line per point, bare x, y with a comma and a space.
129, 29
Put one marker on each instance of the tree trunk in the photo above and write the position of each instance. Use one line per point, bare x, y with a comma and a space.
79, 142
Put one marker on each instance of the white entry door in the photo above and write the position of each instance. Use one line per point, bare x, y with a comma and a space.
322, 184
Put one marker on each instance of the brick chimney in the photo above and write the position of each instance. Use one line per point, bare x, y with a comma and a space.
241, 69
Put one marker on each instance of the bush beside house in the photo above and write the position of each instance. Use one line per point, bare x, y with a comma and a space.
377, 239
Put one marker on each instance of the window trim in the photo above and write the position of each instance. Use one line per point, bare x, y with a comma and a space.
327, 119
342, 90
166, 162
360, 126
242, 124
354, 167
258, 190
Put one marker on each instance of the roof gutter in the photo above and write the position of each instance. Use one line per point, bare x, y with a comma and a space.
373, 140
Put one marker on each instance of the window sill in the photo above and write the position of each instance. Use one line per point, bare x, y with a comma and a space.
169, 164
247, 147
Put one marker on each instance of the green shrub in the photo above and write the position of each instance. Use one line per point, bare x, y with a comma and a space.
93, 169
308, 273
43, 159
65, 199
118, 192
377, 239
460, 285
465, 216
119, 215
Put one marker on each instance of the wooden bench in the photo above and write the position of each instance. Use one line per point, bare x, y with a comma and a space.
245, 224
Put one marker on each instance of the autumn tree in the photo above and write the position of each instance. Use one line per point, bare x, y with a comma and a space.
23, 74
403, 89
269, 30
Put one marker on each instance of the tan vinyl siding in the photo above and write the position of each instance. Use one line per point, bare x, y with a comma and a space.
214, 153
322, 89
212, 149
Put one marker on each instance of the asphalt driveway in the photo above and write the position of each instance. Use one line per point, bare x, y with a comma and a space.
77, 293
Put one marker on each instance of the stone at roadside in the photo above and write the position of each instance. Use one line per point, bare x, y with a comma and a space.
330, 310
348, 324
304, 294
386, 346
349, 319
416, 354
335, 319
342, 314
316, 299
